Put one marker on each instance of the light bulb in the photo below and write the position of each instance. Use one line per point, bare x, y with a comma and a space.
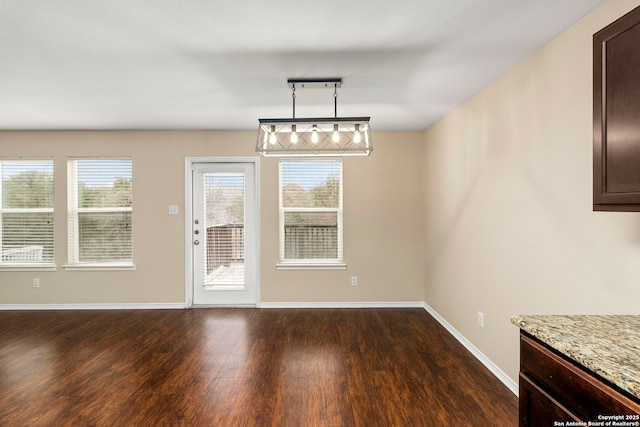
272, 135
314, 134
356, 135
294, 135
336, 135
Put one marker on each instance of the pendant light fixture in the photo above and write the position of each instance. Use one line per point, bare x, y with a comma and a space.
320, 136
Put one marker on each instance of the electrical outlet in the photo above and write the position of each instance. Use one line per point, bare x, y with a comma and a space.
481, 319
354, 281
36, 282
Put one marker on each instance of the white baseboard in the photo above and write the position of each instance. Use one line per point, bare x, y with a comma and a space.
99, 306
181, 305
504, 378
372, 304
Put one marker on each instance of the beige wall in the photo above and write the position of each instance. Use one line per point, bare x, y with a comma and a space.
384, 230
383, 219
509, 223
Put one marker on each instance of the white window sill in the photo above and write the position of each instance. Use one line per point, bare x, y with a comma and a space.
27, 267
100, 267
310, 266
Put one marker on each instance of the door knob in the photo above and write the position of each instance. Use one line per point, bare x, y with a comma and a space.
196, 242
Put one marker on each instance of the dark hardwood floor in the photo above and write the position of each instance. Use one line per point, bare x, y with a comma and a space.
242, 367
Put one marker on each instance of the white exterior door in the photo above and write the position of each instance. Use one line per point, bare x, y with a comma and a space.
224, 224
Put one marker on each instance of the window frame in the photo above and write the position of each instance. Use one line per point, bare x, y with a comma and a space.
311, 263
73, 221
28, 266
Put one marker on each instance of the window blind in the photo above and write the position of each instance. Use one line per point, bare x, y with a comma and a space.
100, 209
224, 212
26, 212
311, 211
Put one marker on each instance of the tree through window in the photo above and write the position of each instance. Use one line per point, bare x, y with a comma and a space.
311, 211
26, 212
100, 211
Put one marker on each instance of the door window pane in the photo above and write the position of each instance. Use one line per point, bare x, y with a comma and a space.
224, 213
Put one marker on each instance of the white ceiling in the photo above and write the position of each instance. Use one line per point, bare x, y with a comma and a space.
222, 64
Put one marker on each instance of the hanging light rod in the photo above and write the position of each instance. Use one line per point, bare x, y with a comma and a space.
315, 83
316, 136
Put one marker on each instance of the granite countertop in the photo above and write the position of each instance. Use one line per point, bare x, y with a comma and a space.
606, 345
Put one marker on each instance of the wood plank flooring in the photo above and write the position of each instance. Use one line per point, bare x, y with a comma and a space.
242, 367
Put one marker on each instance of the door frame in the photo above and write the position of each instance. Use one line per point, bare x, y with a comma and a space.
188, 219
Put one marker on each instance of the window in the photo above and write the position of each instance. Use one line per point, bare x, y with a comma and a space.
99, 213
26, 213
311, 213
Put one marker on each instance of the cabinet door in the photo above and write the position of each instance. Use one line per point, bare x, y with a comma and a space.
538, 408
616, 115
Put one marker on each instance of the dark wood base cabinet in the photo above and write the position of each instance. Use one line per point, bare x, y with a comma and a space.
555, 391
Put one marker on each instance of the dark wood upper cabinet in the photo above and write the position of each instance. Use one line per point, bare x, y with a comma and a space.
616, 115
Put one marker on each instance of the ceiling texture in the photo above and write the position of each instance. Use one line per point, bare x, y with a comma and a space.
222, 64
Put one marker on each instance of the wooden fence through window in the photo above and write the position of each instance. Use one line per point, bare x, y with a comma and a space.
225, 243
311, 242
